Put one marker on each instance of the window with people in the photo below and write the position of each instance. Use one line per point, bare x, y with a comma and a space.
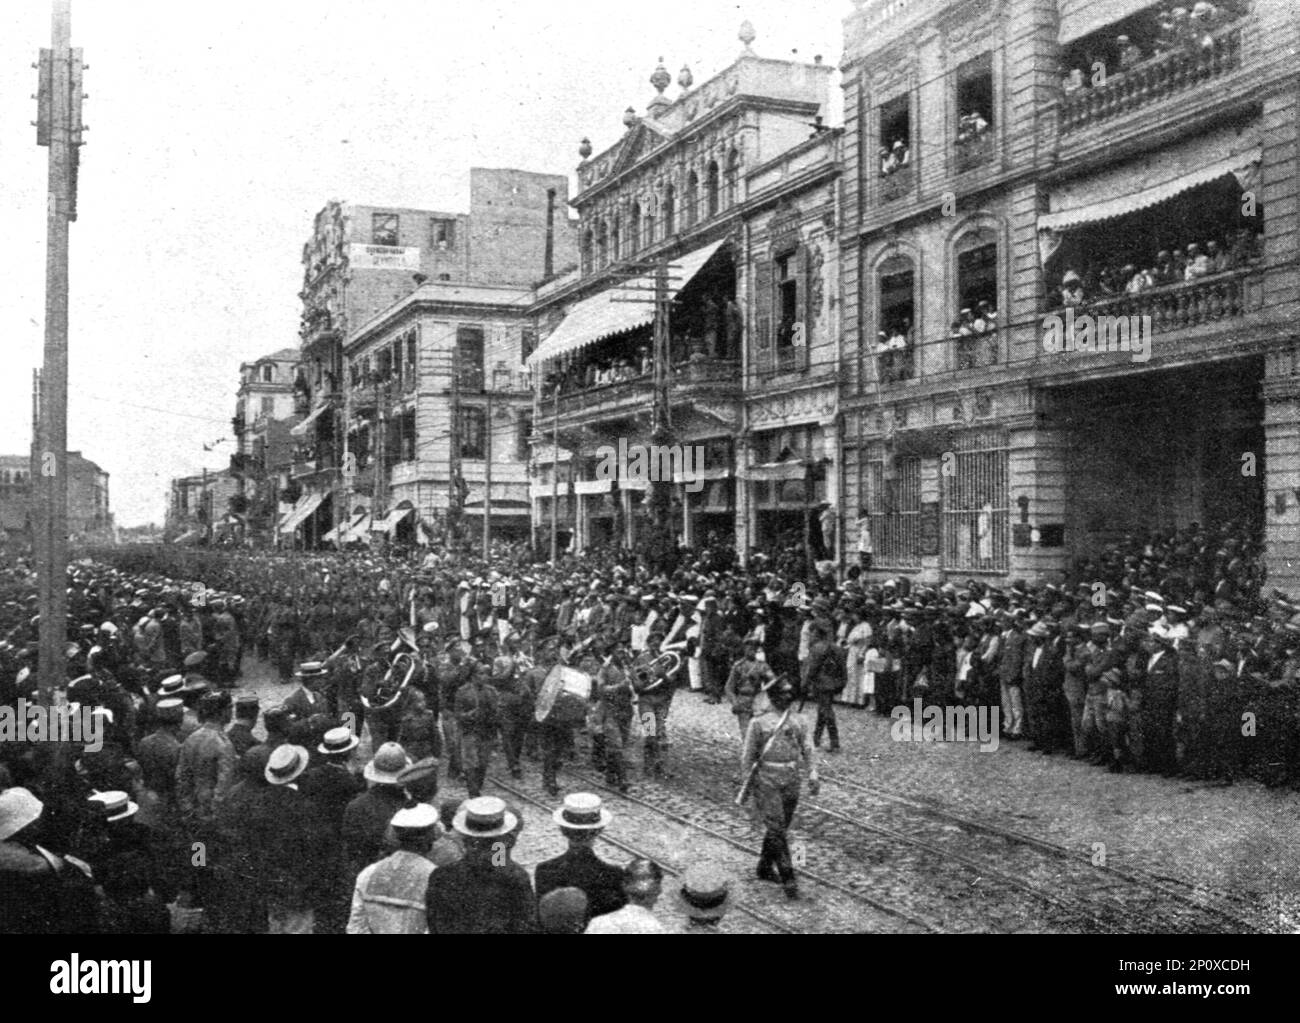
895, 135
1172, 245
974, 101
974, 329
895, 335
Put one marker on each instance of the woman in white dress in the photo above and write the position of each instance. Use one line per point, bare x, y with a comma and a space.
861, 685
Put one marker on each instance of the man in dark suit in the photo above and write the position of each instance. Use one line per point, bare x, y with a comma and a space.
581, 820
1159, 702
240, 731
1049, 729
367, 816
305, 701
329, 786
1011, 669
485, 892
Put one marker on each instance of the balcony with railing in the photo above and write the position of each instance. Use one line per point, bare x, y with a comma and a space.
1222, 296
770, 362
1153, 79
696, 377
974, 150
896, 184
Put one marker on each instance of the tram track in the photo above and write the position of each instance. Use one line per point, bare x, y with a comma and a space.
740, 906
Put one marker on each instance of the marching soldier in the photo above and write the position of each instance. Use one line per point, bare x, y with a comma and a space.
748, 677
478, 712
611, 719
654, 692
776, 743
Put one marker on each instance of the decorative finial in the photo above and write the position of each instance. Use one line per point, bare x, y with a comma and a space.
584, 148
661, 79
684, 78
748, 35
629, 117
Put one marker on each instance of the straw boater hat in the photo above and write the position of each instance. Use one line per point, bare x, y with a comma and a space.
311, 669
112, 806
286, 763
484, 817
581, 811
18, 809
705, 892
387, 764
420, 817
338, 740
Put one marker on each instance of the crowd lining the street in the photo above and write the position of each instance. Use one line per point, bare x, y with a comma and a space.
1163, 654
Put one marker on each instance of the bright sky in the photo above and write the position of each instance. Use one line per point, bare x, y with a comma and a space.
218, 132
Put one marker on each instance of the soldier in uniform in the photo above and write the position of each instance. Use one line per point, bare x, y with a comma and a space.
776, 743
748, 677
654, 698
240, 731
611, 719
306, 700
516, 711
478, 712
452, 671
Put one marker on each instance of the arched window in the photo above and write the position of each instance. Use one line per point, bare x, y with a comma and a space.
711, 189
585, 253
691, 212
670, 211
615, 242
895, 343
634, 230
602, 244
733, 177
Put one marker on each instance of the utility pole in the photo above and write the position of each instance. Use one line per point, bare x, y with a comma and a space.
455, 504
487, 474
59, 128
555, 473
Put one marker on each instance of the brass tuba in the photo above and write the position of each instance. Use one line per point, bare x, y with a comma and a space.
400, 671
662, 666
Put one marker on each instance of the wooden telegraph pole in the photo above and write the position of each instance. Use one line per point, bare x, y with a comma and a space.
487, 473
59, 128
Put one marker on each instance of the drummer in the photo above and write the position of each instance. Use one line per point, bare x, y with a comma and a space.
556, 725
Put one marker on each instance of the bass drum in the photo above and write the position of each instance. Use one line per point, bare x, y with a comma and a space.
569, 709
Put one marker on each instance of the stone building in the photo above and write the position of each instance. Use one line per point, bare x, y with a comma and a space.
197, 505
90, 517
361, 261
1019, 172
666, 207
264, 417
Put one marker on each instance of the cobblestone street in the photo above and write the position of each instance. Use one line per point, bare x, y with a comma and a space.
941, 837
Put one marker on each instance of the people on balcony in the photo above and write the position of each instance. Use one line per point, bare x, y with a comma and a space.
1071, 289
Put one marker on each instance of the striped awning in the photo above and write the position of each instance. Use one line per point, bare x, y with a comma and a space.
301, 429
775, 471
306, 505
389, 522
617, 309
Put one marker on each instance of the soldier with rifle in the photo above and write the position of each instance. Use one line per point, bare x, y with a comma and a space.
777, 743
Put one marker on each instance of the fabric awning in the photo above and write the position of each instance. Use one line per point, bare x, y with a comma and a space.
300, 503
591, 486
358, 530
189, 536
1082, 17
301, 429
775, 471
346, 532
1152, 179
718, 472
608, 312
389, 522
305, 507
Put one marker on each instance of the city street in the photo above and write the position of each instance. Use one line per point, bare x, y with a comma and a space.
939, 837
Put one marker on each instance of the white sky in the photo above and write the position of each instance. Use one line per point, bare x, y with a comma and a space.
218, 132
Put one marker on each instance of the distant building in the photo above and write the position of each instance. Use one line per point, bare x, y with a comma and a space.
364, 260
198, 507
264, 416
89, 516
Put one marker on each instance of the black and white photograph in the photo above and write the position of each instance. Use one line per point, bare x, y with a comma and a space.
699, 467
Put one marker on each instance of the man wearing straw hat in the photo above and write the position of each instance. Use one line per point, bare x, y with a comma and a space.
288, 849
486, 892
581, 819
